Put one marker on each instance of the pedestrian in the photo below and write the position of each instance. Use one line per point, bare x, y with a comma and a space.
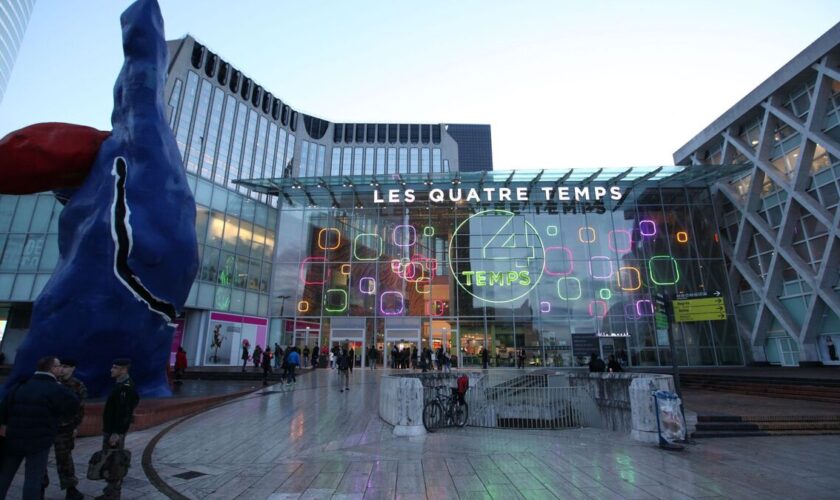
613, 365
245, 346
315, 357
65, 440
485, 357
278, 355
596, 365
447, 362
266, 364
116, 419
180, 365
292, 361
372, 357
438, 358
351, 355
257, 356
520, 358
30, 415
394, 355
305, 356
343, 363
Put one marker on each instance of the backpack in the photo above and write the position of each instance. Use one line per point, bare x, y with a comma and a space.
463, 384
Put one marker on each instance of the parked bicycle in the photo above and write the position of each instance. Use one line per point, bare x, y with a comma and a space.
446, 408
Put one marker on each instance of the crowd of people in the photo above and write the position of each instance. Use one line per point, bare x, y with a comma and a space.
44, 412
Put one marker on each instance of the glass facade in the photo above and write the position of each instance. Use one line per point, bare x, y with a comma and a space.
507, 275
14, 17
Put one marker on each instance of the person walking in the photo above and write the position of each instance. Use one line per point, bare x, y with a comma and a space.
30, 414
292, 361
596, 365
394, 355
447, 362
180, 365
278, 355
613, 365
343, 363
372, 357
257, 358
117, 417
315, 356
65, 440
520, 358
351, 355
266, 364
305, 359
245, 355
485, 357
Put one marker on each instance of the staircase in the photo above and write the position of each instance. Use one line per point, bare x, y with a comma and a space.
710, 426
810, 389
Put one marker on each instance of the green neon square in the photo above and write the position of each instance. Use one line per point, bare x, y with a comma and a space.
326, 302
356, 243
428, 231
551, 230
605, 293
560, 286
673, 263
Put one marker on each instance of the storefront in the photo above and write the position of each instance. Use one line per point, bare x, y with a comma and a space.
517, 263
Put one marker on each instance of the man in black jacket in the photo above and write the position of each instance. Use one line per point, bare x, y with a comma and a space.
117, 417
31, 412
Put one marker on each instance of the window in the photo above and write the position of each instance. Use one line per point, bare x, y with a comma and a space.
197, 136
183, 129
357, 161
380, 161
313, 158
426, 132
338, 132
260, 146
403, 134
436, 134
335, 166
436, 164
280, 163
392, 134
414, 164
424, 157
403, 161
304, 157
360, 132
346, 162
380, 133
348, 132
319, 167
224, 142
173, 102
415, 133
371, 133
208, 159
392, 161
368, 161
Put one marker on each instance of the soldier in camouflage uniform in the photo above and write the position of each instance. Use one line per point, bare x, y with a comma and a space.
117, 417
65, 440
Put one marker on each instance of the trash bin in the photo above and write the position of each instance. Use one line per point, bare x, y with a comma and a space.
669, 420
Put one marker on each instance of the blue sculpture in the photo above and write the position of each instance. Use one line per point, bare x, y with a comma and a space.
127, 242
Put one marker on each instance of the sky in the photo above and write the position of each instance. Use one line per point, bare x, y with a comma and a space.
595, 83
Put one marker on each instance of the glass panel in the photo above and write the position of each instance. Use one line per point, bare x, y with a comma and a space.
197, 137
369, 161
185, 117
380, 161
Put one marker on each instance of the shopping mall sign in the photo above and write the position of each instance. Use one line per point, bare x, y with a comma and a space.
496, 256
502, 194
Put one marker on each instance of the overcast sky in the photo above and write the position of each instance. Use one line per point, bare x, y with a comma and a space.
563, 84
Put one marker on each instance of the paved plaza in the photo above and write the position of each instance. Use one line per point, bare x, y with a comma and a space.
314, 442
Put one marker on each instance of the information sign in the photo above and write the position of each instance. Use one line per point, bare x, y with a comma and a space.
707, 309
584, 344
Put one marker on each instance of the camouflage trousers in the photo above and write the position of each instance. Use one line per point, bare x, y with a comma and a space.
64, 444
112, 489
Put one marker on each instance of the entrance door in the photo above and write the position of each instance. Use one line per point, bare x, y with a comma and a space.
306, 337
788, 351
352, 339
402, 339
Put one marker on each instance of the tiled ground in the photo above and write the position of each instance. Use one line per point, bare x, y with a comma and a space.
314, 442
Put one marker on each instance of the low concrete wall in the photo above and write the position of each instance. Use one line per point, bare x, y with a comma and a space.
401, 404
624, 400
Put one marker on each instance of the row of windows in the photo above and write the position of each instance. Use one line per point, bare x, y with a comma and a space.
382, 132
228, 140
226, 75
385, 161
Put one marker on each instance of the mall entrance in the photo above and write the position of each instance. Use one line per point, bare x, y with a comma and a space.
406, 341
352, 338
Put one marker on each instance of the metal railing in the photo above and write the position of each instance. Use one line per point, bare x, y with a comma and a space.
520, 399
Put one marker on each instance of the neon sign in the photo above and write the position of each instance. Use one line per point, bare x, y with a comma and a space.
512, 255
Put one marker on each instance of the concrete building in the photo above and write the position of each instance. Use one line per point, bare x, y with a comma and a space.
780, 227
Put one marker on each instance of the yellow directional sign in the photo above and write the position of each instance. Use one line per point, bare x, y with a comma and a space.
708, 309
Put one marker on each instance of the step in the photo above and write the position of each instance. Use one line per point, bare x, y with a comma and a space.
728, 434
768, 418
768, 426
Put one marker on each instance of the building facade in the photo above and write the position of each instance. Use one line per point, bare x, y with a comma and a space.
229, 127
546, 266
14, 17
780, 227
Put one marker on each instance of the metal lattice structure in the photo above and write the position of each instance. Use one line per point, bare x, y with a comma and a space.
781, 221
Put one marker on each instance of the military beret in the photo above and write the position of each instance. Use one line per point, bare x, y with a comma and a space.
68, 362
122, 362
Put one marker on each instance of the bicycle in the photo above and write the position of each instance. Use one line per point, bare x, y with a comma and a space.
444, 409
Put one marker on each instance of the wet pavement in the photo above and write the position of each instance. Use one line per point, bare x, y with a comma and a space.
311, 441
